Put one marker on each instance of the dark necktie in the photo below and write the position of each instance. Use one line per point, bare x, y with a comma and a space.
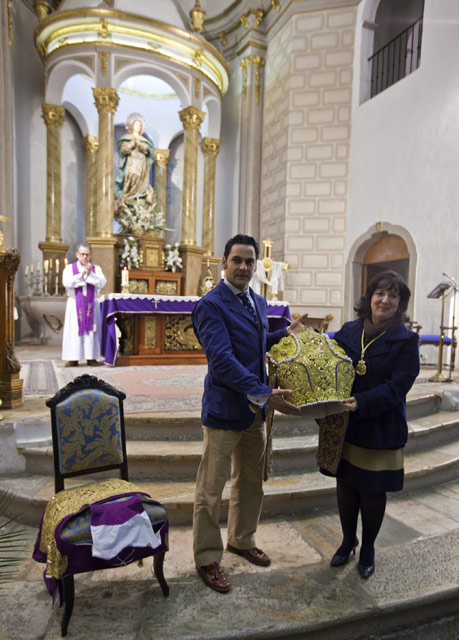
247, 304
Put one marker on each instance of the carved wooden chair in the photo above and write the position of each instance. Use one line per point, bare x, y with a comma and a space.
105, 523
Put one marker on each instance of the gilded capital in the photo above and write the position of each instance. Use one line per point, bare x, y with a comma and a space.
53, 115
106, 99
162, 157
210, 146
191, 118
10, 259
42, 9
90, 144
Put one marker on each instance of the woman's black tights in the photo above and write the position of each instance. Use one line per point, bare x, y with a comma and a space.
372, 507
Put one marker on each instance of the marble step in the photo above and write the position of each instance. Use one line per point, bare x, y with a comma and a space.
174, 460
285, 494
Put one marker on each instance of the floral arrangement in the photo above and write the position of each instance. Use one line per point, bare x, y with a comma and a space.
173, 260
130, 256
140, 217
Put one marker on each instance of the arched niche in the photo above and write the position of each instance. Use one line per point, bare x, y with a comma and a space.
146, 69
213, 108
384, 247
62, 72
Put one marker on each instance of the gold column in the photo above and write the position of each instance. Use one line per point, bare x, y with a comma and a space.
90, 145
54, 119
209, 148
192, 119
161, 160
10, 382
103, 244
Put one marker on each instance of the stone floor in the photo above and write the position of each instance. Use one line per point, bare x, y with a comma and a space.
414, 593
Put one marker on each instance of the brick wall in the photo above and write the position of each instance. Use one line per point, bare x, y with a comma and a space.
305, 165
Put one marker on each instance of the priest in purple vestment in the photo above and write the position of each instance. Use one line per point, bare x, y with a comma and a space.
83, 282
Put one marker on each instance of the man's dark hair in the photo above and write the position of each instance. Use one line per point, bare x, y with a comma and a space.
390, 280
241, 239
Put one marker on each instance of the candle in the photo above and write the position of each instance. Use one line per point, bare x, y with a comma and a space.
46, 264
124, 277
38, 266
57, 266
27, 270
31, 268
274, 287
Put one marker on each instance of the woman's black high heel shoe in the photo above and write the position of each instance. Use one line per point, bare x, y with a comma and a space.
367, 570
339, 559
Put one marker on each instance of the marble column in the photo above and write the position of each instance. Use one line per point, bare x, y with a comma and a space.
161, 160
11, 385
103, 243
192, 119
91, 145
53, 116
53, 248
7, 125
209, 148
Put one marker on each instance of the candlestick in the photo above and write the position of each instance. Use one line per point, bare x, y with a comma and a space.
56, 288
31, 268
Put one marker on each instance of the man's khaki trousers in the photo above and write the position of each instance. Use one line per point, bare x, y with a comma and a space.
242, 453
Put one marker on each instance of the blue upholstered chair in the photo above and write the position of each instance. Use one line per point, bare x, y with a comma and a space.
107, 522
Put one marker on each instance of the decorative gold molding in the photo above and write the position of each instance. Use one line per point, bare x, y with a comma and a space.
192, 118
106, 99
258, 13
104, 32
197, 15
162, 157
245, 80
53, 115
223, 38
276, 5
42, 9
259, 62
90, 144
210, 146
104, 56
199, 56
197, 87
10, 22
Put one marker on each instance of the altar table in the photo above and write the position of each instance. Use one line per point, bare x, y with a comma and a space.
156, 329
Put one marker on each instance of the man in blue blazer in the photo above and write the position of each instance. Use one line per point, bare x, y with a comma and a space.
233, 332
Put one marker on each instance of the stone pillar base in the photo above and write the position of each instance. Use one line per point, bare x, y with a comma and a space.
104, 254
192, 269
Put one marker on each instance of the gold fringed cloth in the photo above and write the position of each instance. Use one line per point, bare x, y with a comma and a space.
320, 374
332, 431
67, 503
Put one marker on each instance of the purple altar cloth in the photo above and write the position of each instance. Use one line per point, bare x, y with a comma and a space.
278, 314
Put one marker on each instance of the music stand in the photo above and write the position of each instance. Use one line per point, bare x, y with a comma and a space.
439, 292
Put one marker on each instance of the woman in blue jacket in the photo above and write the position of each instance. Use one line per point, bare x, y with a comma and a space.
385, 355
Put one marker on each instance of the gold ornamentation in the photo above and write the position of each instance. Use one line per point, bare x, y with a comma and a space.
90, 144
104, 55
42, 9
137, 285
245, 20
191, 118
10, 22
104, 31
150, 332
62, 40
207, 283
53, 115
197, 87
9, 258
258, 13
223, 38
245, 66
154, 45
106, 99
162, 157
332, 431
166, 287
276, 5
199, 56
151, 257
179, 334
210, 147
59, 324
197, 15
259, 62
2, 237
126, 324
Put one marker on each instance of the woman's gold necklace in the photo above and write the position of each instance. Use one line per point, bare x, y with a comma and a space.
361, 367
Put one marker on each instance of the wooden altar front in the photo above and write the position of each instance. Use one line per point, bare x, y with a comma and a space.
157, 330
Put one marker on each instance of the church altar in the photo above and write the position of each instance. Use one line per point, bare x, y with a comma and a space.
157, 329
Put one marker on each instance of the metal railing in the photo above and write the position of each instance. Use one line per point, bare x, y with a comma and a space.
397, 59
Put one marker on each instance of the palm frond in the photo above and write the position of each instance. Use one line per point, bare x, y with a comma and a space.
12, 541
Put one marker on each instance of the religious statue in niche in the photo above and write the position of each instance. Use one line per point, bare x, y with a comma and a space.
136, 158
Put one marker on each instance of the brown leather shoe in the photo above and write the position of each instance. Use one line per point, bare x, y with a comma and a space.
214, 577
92, 363
71, 363
254, 555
